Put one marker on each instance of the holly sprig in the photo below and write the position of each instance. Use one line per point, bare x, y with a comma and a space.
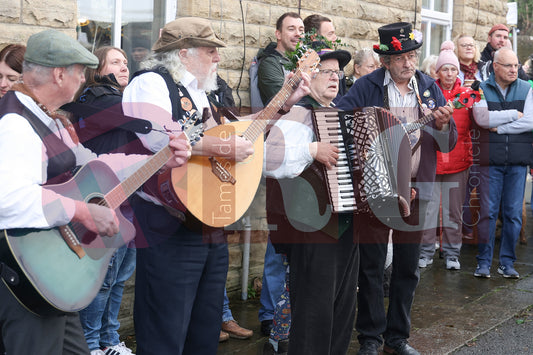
305, 43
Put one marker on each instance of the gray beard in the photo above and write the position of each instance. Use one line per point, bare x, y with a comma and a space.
210, 83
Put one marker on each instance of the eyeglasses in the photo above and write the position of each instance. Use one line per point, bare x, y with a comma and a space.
467, 45
509, 66
328, 72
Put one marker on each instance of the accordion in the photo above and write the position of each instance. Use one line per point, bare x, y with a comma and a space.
373, 172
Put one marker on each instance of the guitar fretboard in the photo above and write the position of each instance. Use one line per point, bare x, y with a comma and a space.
122, 191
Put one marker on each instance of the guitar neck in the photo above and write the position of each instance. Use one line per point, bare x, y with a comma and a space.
411, 127
257, 127
122, 191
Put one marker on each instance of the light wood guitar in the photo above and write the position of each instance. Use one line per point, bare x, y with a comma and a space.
62, 269
216, 190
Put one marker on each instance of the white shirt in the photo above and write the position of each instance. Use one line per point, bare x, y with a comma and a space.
506, 121
286, 152
24, 203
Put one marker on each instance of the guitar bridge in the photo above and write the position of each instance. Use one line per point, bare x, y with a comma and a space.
222, 173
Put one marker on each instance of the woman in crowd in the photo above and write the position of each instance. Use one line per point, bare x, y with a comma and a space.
365, 61
100, 131
468, 54
428, 66
452, 172
11, 58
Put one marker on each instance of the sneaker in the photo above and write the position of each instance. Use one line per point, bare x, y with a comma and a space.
482, 271
97, 352
508, 272
453, 264
423, 262
119, 349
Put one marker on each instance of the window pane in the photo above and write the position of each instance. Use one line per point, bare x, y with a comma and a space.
441, 5
141, 23
438, 35
425, 4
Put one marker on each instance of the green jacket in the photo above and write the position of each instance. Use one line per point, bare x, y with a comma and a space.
271, 72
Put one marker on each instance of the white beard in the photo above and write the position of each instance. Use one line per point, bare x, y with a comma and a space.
210, 83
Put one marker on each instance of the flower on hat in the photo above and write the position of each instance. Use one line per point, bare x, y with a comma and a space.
418, 36
396, 44
382, 47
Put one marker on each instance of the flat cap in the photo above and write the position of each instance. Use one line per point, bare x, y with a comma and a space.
187, 32
51, 48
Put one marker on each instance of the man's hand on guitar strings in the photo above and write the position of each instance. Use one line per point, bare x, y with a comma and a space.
243, 148
181, 149
97, 219
442, 116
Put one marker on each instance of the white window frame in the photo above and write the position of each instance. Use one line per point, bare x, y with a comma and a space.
430, 16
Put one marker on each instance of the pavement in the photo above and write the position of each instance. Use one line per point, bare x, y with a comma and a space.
453, 311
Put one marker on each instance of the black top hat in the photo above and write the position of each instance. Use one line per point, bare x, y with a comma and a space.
397, 38
327, 53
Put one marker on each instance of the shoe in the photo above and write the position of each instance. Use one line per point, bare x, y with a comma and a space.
97, 352
236, 331
401, 349
423, 262
283, 348
119, 349
482, 271
266, 325
223, 336
508, 272
453, 264
368, 348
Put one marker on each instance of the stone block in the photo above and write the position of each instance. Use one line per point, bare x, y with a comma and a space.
233, 34
226, 10
50, 13
258, 13
19, 33
10, 11
231, 57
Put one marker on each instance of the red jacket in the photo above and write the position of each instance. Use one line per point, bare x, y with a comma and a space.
460, 158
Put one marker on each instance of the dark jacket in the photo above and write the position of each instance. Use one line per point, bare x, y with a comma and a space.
104, 131
368, 91
271, 72
502, 149
485, 64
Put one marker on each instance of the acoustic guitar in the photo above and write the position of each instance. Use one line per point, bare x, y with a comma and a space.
217, 190
62, 269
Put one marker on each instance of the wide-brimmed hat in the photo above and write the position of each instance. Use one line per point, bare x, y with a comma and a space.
397, 38
51, 48
325, 52
187, 32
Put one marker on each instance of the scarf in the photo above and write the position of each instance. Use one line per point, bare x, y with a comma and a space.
21, 87
469, 70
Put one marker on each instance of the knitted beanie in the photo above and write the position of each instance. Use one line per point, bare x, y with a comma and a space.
447, 56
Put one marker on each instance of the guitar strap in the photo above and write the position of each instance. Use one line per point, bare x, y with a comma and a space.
8, 274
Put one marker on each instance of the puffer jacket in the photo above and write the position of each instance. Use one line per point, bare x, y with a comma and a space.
460, 158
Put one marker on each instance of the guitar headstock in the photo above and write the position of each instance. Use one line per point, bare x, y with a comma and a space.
191, 126
308, 61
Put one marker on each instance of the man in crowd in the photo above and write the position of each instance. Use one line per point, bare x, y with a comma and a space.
271, 72
498, 38
181, 273
407, 93
505, 119
322, 25
320, 247
31, 131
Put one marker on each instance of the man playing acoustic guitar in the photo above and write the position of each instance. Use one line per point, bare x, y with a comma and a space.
37, 147
181, 272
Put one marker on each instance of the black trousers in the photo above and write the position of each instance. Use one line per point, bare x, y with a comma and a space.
179, 286
22, 332
372, 321
323, 283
